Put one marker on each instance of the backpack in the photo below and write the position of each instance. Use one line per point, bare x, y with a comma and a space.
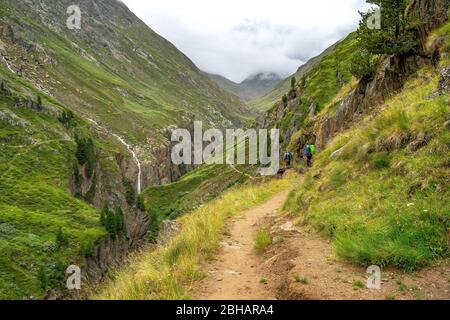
287, 156
308, 150
313, 149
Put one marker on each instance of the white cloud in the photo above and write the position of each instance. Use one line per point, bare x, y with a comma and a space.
237, 38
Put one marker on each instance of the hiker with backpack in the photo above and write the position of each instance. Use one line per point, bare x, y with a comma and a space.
310, 151
288, 158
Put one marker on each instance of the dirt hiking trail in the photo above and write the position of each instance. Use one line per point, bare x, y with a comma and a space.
301, 265
235, 276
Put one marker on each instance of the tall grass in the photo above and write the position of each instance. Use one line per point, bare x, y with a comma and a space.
169, 272
263, 239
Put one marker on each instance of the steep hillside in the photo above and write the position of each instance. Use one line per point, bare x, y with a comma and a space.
52, 183
322, 80
116, 71
378, 188
249, 89
267, 101
74, 107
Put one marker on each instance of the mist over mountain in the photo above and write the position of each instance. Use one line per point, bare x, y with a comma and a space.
252, 87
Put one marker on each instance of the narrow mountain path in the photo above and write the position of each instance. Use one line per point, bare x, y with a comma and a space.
302, 265
236, 275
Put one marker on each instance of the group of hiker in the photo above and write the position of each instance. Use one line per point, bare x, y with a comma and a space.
309, 151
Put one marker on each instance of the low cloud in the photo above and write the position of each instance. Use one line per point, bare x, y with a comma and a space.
241, 38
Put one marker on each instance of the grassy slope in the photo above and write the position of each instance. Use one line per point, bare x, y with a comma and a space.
267, 101
37, 161
192, 190
248, 89
35, 165
322, 83
381, 203
225, 84
168, 272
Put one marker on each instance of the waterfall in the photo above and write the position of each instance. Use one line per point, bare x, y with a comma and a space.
135, 157
7, 64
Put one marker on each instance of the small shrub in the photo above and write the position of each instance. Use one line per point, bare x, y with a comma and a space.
285, 100
358, 284
381, 161
263, 240
67, 118
87, 248
401, 286
300, 279
389, 296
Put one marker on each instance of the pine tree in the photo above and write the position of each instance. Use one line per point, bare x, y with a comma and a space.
285, 100
39, 101
111, 223
130, 193
303, 82
120, 222
395, 35
293, 83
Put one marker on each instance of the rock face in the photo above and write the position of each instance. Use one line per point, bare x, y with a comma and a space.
444, 82
111, 252
432, 14
279, 110
105, 186
389, 79
391, 75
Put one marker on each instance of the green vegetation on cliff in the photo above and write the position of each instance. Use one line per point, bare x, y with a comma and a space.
43, 228
384, 199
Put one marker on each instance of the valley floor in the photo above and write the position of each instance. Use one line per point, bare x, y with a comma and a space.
301, 265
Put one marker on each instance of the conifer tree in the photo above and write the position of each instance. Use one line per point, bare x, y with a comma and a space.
395, 35
293, 82
130, 193
111, 223
120, 222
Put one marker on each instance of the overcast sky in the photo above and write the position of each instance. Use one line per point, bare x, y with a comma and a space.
239, 38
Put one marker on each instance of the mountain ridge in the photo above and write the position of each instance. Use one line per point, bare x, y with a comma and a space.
250, 88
